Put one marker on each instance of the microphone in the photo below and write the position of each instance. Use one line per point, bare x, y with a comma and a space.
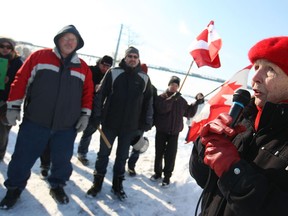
241, 99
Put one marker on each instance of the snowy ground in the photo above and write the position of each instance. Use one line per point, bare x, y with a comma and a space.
144, 196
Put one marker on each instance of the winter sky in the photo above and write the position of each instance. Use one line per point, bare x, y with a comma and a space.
162, 30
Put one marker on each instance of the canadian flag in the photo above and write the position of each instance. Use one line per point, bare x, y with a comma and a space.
220, 102
205, 48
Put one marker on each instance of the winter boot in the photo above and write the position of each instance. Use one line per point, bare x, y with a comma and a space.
132, 172
166, 181
59, 195
10, 199
117, 187
97, 185
155, 177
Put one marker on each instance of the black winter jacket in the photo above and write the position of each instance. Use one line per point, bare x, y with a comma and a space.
169, 113
261, 187
124, 99
97, 75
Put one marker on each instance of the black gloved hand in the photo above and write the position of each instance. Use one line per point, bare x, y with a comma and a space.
95, 121
199, 98
175, 96
145, 127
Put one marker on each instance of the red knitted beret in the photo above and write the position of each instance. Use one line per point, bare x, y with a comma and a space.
274, 49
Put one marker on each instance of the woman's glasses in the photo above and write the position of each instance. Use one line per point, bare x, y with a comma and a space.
2, 46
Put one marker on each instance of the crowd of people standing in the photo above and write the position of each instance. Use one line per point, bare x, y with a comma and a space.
242, 169
120, 102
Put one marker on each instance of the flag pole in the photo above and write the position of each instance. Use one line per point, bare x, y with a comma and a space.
214, 90
186, 76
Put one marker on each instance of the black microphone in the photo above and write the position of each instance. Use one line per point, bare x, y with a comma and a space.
241, 99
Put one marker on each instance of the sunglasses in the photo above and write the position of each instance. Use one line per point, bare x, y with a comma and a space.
2, 46
133, 56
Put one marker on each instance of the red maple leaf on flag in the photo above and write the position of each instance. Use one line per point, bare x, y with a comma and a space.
219, 103
205, 48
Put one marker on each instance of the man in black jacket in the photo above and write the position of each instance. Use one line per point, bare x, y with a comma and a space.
122, 106
98, 72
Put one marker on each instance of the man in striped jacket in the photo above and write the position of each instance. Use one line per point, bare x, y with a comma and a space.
58, 90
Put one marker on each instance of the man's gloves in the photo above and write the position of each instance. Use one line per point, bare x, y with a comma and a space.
220, 154
12, 115
175, 96
82, 123
199, 98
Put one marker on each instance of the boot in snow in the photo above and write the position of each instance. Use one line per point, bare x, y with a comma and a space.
117, 187
97, 185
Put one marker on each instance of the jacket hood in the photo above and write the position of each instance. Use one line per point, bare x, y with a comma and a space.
69, 29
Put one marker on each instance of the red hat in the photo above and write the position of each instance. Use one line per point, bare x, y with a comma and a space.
144, 68
274, 49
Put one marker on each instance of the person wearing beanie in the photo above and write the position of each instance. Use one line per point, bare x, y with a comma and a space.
170, 108
174, 79
98, 72
11, 61
243, 170
58, 91
122, 105
132, 50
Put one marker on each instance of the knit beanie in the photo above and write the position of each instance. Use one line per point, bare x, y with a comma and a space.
144, 68
132, 49
108, 60
8, 40
274, 49
174, 79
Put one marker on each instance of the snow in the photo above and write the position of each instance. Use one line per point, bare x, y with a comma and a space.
144, 196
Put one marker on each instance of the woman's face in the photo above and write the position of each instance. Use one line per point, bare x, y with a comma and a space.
5, 48
269, 83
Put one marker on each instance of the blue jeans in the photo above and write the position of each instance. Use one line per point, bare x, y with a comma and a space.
31, 141
122, 152
86, 139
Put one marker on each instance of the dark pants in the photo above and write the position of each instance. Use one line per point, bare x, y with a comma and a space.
86, 139
134, 156
122, 152
165, 147
4, 131
31, 141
